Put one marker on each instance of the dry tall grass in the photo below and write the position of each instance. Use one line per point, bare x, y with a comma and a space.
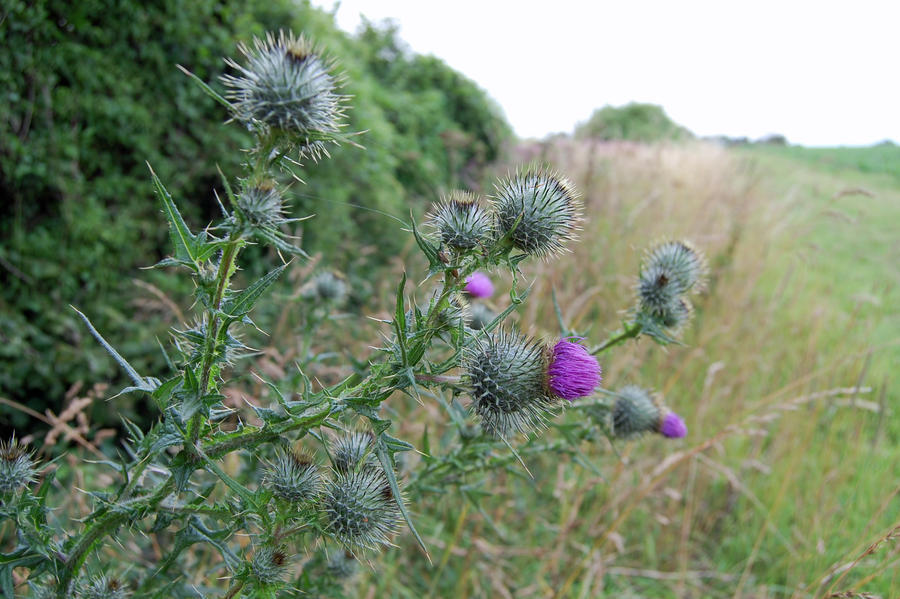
783, 481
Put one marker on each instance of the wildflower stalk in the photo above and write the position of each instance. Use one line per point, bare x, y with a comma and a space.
629, 331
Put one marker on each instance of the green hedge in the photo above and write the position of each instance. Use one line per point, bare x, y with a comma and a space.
91, 93
633, 121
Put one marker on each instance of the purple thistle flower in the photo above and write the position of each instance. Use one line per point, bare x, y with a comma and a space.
573, 371
479, 284
672, 426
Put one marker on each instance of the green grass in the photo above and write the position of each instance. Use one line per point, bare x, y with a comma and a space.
787, 472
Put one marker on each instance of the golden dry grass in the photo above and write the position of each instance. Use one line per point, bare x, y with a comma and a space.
789, 471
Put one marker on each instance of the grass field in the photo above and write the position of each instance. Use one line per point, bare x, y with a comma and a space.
787, 484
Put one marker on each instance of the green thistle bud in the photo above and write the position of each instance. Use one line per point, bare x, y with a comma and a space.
461, 221
360, 508
680, 261
269, 564
191, 343
294, 477
454, 314
16, 466
506, 376
342, 564
261, 205
538, 211
39, 591
480, 316
635, 412
352, 451
103, 587
326, 286
286, 88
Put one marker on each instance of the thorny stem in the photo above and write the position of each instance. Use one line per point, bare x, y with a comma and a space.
212, 330
235, 588
630, 331
104, 525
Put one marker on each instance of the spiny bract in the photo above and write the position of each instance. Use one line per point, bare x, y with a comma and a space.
506, 376
538, 211
294, 477
461, 221
360, 508
635, 412
286, 86
16, 466
269, 564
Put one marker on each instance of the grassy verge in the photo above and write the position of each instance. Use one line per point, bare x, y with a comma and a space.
789, 473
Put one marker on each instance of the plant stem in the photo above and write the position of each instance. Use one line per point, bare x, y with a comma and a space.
628, 332
223, 275
235, 587
106, 524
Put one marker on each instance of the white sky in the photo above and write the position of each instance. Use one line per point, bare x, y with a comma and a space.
820, 73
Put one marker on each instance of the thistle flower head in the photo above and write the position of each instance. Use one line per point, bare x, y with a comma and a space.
269, 564
294, 477
16, 466
479, 284
461, 221
682, 263
456, 313
39, 591
286, 87
634, 413
353, 451
672, 426
506, 375
327, 286
480, 316
190, 342
538, 211
103, 587
360, 508
573, 371
342, 564
260, 204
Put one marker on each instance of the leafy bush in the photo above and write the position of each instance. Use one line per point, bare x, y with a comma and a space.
634, 121
91, 94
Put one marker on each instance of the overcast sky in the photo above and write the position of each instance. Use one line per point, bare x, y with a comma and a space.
820, 73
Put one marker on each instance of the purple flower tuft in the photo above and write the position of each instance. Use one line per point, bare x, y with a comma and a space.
673, 426
573, 371
479, 285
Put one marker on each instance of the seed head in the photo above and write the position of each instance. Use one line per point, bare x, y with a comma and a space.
353, 451
327, 286
269, 564
461, 221
261, 205
294, 477
16, 466
360, 508
635, 412
506, 375
672, 426
683, 264
573, 371
103, 587
538, 211
479, 284
287, 87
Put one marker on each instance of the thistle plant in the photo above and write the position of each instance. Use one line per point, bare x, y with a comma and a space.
276, 516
